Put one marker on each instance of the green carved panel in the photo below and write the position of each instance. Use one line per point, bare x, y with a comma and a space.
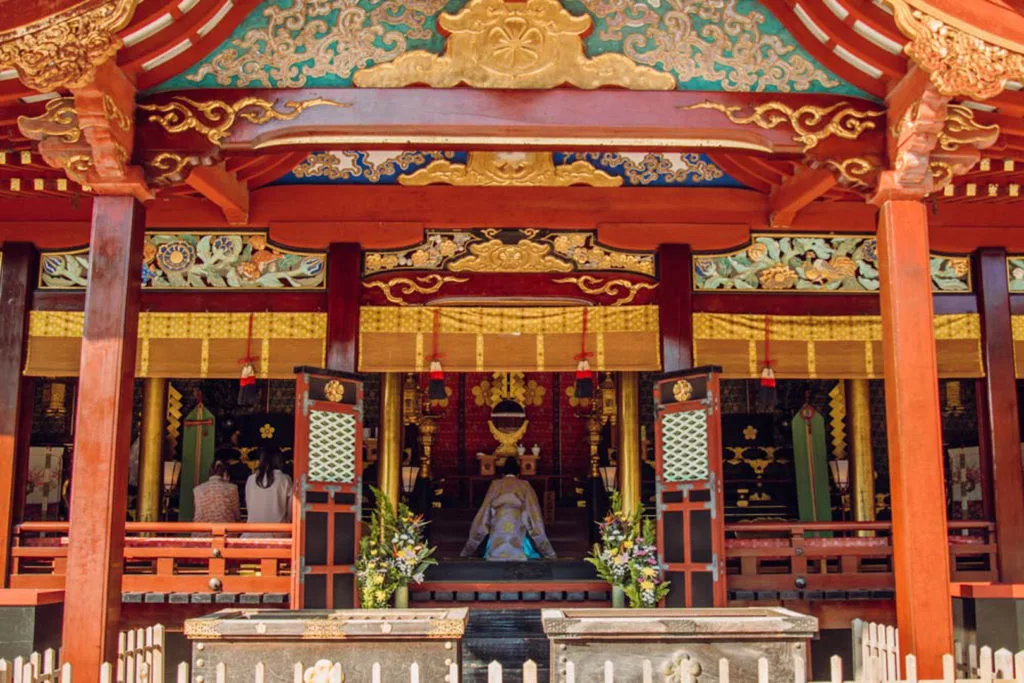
814, 263
712, 45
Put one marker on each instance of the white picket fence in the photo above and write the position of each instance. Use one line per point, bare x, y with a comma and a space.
141, 659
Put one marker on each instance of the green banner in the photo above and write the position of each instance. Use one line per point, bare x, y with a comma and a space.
810, 452
197, 447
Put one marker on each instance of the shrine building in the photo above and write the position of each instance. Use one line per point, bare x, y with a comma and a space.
755, 266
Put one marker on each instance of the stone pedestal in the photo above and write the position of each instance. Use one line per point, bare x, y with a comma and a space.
666, 637
357, 639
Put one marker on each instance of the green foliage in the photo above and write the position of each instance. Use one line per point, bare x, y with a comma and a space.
627, 556
393, 553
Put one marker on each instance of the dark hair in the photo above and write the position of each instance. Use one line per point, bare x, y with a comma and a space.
270, 460
218, 469
511, 467
227, 454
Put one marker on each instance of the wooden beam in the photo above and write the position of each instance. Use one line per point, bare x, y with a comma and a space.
1002, 420
562, 119
223, 188
675, 296
103, 435
344, 292
796, 193
17, 274
920, 537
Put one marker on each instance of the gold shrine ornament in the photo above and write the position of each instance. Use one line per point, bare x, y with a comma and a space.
510, 169
959, 64
334, 391
625, 289
423, 284
214, 119
535, 44
494, 256
682, 390
63, 50
810, 124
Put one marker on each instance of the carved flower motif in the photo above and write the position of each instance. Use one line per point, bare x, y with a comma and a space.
960, 266
374, 262
562, 244
248, 270
226, 246
870, 250
262, 258
420, 258
319, 672
779, 276
258, 242
148, 252
448, 248
516, 45
1018, 273
705, 267
267, 431
176, 257
756, 252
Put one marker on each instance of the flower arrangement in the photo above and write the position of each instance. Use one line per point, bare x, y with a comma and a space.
627, 556
392, 555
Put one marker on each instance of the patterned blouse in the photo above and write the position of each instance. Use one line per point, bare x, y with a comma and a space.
216, 501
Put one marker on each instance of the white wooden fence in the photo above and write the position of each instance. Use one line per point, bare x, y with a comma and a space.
141, 659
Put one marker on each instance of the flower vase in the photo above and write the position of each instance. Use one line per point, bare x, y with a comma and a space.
402, 597
618, 597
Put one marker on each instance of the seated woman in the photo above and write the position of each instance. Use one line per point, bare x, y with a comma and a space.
510, 519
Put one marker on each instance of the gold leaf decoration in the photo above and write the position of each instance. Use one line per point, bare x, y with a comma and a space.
708, 40
317, 38
498, 44
810, 124
114, 114
494, 256
169, 167
215, 118
60, 120
63, 50
962, 129
859, 173
837, 419
959, 64
424, 284
589, 284
510, 169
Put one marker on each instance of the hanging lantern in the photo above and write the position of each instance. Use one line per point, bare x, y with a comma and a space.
767, 394
436, 390
248, 392
584, 386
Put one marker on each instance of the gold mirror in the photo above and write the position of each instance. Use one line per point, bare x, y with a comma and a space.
508, 424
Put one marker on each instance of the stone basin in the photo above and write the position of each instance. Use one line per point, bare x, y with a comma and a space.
666, 637
357, 639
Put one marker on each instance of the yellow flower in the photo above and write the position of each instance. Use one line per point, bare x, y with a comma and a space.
779, 276
757, 251
380, 595
627, 544
258, 242
377, 579
420, 258
647, 585
448, 248
649, 571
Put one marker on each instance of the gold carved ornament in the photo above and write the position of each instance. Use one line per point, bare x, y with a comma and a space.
510, 169
961, 129
334, 391
959, 64
423, 284
167, 167
59, 120
498, 44
114, 114
494, 256
590, 284
856, 172
682, 390
64, 49
215, 118
810, 124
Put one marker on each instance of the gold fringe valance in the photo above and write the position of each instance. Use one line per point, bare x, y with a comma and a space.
491, 339
205, 345
848, 347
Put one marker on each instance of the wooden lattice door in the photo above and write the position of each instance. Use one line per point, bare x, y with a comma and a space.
691, 524
328, 488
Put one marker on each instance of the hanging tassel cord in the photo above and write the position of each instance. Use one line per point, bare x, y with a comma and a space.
583, 355
436, 371
767, 374
247, 363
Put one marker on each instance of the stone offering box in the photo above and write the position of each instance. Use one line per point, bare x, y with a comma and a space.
355, 638
665, 637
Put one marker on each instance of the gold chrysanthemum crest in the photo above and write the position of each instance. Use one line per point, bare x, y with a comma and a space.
514, 45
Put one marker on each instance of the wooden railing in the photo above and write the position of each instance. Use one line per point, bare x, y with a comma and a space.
841, 556
166, 557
